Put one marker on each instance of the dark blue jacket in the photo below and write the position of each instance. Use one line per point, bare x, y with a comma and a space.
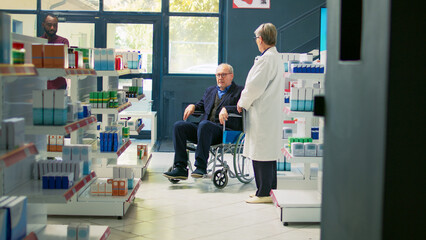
229, 100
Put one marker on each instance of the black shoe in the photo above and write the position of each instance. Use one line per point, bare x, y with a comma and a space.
177, 173
198, 173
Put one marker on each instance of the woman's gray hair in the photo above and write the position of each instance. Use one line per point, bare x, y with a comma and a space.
230, 68
268, 32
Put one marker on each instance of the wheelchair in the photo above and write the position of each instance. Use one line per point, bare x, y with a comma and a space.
217, 167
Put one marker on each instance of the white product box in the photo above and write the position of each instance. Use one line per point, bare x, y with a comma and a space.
72, 231
122, 172
83, 231
75, 153
94, 189
60, 97
111, 59
129, 173
52, 143
108, 189
310, 149
102, 188
66, 152
294, 98
287, 132
97, 58
104, 60
59, 143
48, 99
302, 99
85, 152
297, 149
309, 99
38, 107
319, 150
116, 172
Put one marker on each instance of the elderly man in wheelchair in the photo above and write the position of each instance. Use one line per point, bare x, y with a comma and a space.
215, 107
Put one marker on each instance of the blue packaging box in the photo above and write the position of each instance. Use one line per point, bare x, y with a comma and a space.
58, 182
17, 210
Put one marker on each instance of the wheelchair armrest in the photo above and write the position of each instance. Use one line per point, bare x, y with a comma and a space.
234, 115
198, 113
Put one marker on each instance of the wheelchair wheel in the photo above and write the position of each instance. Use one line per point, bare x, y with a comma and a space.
174, 181
220, 178
243, 166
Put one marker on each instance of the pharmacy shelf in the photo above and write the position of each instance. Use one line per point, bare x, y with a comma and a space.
59, 232
301, 114
9, 158
292, 159
115, 73
87, 197
297, 205
137, 130
17, 70
88, 205
52, 154
112, 154
60, 130
36, 194
305, 76
129, 162
56, 72
136, 99
111, 110
136, 71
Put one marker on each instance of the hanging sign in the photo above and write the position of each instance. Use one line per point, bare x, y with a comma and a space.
259, 4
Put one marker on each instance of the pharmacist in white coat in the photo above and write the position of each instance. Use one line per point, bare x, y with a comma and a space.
262, 98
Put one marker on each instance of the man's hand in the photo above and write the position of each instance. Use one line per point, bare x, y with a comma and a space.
223, 116
188, 111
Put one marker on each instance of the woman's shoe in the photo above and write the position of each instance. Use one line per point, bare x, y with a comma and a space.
256, 199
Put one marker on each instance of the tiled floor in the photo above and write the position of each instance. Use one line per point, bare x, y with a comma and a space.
196, 209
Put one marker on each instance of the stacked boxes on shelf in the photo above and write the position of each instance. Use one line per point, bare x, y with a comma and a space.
50, 55
57, 180
124, 173
13, 217
129, 124
130, 59
302, 98
110, 187
50, 107
78, 231
111, 139
104, 59
55, 143
107, 99
142, 151
12, 133
304, 147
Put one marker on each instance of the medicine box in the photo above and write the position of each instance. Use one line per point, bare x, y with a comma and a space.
18, 217
48, 98
310, 149
72, 231
83, 231
301, 99
297, 149
319, 150
59, 143
294, 99
75, 153
60, 107
110, 59
309, 99
37, 54
55, 56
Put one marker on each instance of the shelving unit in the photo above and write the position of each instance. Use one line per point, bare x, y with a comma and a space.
60, 130
301, 204
137, 99
88, 205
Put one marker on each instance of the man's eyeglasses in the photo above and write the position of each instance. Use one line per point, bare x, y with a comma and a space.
219, 75
254, 38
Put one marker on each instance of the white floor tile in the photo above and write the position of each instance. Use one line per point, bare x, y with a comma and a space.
196, 209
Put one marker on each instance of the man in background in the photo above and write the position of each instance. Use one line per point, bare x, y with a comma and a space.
50, 26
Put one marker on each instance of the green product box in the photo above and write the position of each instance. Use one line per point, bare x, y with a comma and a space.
105, 99
113, 95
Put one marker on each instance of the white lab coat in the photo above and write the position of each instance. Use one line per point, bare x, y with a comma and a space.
263, 99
